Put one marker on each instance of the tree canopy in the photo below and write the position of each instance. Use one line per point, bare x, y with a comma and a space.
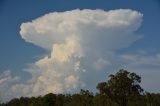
122, 89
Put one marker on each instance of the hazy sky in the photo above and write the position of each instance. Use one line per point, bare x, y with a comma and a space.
61, 46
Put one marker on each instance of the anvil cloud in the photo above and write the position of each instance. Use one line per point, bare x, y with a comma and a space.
81, 43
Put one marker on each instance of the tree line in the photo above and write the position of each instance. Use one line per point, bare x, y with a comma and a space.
122, 89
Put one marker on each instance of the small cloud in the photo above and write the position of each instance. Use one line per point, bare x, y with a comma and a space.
101, 64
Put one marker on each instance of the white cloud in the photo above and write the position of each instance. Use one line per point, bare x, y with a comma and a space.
101, 64
80, 42
57, 73
89, 26
6, 81
140, 59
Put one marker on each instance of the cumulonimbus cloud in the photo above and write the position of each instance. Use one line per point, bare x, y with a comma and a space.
89, 26
79, 41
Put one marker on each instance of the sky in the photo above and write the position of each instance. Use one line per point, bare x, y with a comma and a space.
62, 46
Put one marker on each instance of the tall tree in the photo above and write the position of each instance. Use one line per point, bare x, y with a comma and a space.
121, 87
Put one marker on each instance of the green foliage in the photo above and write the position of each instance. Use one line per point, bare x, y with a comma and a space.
121, 87
102, 100
49, 100
84, 98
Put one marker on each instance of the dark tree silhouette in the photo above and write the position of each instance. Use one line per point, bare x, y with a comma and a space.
121, 87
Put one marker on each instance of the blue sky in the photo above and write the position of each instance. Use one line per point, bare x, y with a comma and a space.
16, 54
